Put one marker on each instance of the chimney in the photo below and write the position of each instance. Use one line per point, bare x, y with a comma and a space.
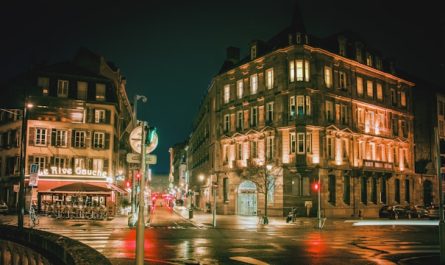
233, 54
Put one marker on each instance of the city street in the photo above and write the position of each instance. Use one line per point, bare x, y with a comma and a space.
172, 239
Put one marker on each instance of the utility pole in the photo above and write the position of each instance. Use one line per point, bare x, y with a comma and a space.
141, 223
441, 214
21, 202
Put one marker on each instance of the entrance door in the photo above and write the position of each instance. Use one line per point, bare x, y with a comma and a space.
247, 198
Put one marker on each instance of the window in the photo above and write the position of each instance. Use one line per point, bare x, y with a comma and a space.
292, 71
360, 116
79, 162
329, 110
43, 83
269, 112
254, 116
393, 97
82, 90
99, 140
61, 138
403, 99
79, 139
369, 89
269, 148
299, 70
341, 114
292, 112
62, 88
328, 76
331, 189
40, 136
364, 190
330, 147
358, 54
99, 116
239, 153
368, 59
239, 120
359, 86
239, 88
300, 105
269, 78
253, 52
309, 143
226, 93
226, 189
100, 92
300, 143
41, 161
378, 63
397, 190
308, 105
253, 84
342, 80
407, 195
374, 190
226, 122
347, 189
254, 149
379, 92
98, 164
60, 162
293, 143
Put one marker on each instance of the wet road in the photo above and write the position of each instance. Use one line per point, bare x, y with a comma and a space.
173, 240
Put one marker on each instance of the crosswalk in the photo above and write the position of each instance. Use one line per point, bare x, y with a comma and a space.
96, 238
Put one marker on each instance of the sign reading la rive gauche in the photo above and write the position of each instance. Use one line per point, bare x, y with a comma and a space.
70, 171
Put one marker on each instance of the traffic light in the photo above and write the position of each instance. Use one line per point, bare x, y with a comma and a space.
151, 132
137, 175
315, 186
128, 184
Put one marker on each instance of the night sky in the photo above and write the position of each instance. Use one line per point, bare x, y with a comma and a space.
169, 51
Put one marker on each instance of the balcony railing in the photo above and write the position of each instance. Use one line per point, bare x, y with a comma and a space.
371, 164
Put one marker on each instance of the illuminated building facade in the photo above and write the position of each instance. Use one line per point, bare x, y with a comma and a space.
75, 132
329, 109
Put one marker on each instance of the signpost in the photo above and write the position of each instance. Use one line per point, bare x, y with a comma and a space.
136, 159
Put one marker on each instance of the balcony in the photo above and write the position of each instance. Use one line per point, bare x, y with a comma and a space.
379, 165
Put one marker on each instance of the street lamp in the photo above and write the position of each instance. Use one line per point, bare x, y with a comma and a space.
21, 202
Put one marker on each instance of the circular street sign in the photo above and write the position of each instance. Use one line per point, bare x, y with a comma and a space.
136, 140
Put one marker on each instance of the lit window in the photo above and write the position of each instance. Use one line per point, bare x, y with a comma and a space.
342, 81
269, 78
299, 69
293, 143
269, 112
61, 138
358, 54
62, 88
253, 84
328, 76
99, 140
403, 99
254, 149
309, 143
329, 110
378, 63
79, 162
292, 112
368, 59
40, 136
98, 164
226, 122
43, 83
59, 162
300, 105
99, 116
41, 161
369, 89
359, 86
269, 148
308, 105
226, 93
330, 147
379, 92
100, 92
292, 71
253, 52
299, 64
82, 90
300, 143
239, 88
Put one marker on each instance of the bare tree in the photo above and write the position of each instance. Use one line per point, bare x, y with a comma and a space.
264, 177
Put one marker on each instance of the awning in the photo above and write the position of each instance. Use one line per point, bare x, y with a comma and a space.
74, 187
117, 188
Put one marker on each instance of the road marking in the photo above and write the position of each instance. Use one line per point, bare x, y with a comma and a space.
249, 260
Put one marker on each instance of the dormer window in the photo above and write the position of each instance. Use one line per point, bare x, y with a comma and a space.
43, 83
62, 88
298, 38
368, 59
342, 46
378, 63
358, 54
253, 52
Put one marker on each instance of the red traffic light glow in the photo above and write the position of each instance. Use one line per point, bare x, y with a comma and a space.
316, 186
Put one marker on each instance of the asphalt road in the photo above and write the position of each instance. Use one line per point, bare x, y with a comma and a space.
172, 239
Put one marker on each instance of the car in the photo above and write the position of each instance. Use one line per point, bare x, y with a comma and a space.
3, 208
384, 212
396, 212
419, 211
433, 211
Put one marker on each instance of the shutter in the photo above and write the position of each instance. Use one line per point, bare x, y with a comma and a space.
107, 117
31, 136
30, 161
90, 115
53, 137
88, 139
105, 169
73, 134
107, 141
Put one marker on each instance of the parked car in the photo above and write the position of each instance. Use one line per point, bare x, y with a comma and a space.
419, 211
384, 212
433, 211
397, 211
3, 208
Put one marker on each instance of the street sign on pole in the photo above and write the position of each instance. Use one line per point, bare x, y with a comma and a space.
33, 175
136, 140
136, 159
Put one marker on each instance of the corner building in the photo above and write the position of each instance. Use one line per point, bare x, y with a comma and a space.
330, 109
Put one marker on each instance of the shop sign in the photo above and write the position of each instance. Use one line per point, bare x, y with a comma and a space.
70, 171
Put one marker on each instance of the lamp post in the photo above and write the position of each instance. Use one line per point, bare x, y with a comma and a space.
214, 187
21, 202
317, 187
266, 192
141, 223
135, 121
